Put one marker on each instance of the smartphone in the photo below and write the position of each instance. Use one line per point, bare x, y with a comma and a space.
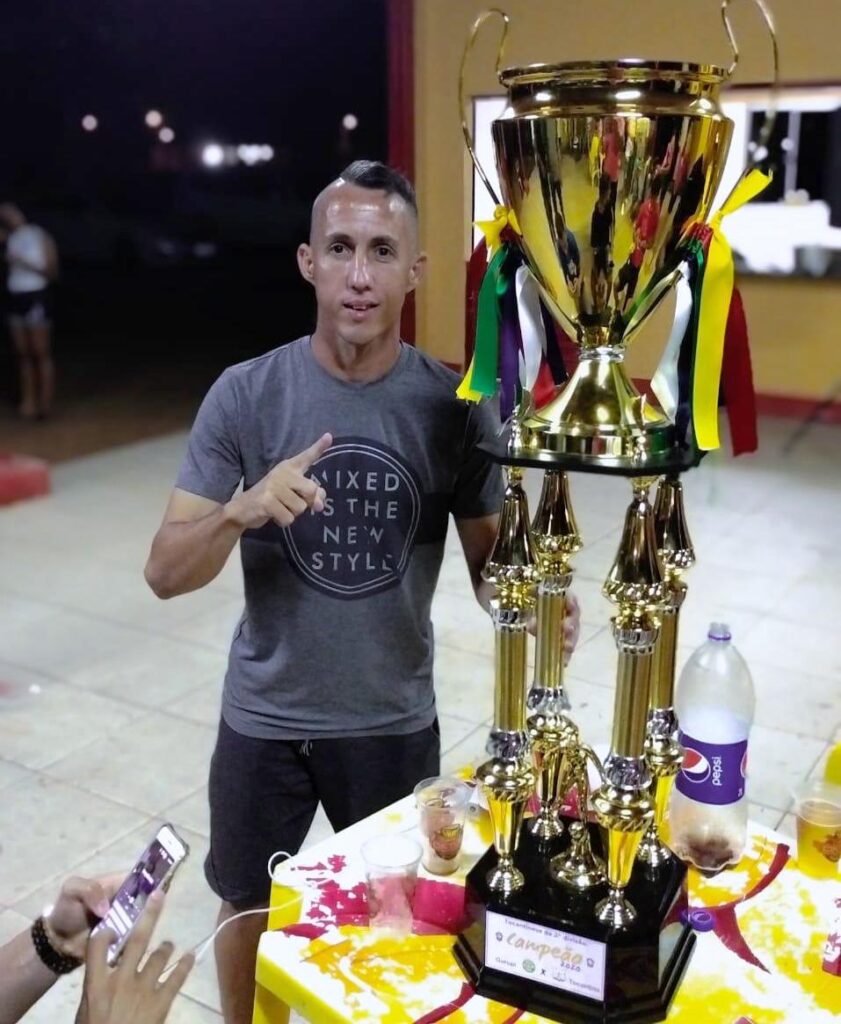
154, 870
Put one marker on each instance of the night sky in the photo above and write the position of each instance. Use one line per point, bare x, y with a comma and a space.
235, 72
263, 71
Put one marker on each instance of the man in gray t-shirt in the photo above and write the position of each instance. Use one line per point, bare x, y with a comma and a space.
336, 638
353, 451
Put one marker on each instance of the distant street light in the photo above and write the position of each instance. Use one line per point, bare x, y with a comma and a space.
154, 118
212, 155
166, 135
251, 154
350, 122
90, 123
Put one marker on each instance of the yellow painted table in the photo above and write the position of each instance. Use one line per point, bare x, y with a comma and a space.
762, 929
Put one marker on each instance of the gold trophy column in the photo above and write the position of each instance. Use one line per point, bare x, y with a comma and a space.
663, 752
622, 803
507, 778
551, 732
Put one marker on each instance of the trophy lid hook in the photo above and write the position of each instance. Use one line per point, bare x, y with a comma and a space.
468, 46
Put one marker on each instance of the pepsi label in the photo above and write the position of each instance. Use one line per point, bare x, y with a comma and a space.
713, 773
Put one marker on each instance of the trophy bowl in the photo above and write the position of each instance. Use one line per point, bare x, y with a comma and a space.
605, 165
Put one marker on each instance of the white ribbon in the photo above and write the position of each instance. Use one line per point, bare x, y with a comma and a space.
664, 383
532, 330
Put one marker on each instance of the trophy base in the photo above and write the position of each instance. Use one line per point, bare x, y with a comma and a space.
670, 462
542, 949
599, 415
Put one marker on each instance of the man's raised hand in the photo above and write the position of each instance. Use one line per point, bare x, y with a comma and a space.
285, 492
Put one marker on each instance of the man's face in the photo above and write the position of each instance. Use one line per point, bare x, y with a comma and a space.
362, 259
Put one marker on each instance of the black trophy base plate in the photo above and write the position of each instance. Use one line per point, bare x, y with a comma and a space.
671, 462
644, 962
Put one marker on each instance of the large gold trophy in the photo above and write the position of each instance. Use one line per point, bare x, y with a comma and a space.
606, 169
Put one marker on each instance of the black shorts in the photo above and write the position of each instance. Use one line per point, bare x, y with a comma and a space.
264, 795
30, 308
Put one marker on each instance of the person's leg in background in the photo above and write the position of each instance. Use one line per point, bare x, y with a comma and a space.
262, 800
40, 344
28, 404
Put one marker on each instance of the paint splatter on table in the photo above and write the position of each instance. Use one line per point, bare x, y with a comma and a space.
760, 957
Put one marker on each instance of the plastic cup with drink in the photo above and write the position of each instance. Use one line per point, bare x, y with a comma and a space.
442, 807
817, 805
391, 873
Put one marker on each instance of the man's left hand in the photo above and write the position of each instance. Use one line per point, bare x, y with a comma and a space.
572, 626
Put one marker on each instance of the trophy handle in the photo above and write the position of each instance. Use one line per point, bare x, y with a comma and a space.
468, 46
591, 755
761, 150
649, 301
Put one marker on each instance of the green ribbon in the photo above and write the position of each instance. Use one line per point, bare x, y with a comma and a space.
695, 249
486, 350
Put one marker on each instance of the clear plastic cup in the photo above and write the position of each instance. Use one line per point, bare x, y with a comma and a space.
391, 873
442, 807
817, 805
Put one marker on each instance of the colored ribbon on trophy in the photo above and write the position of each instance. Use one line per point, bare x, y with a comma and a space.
532, 329
664, 383
672, 380
510, 349
715, 297
514, 351
707, 354
480, 381
737, 380
476, 267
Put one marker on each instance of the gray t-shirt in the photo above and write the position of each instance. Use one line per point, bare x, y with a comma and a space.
336, 637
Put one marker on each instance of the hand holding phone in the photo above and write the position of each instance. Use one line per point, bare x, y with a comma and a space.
153, 871
129, 992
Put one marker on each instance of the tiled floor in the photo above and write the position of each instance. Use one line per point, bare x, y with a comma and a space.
108, 697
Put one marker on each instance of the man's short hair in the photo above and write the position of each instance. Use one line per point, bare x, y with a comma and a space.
375, 175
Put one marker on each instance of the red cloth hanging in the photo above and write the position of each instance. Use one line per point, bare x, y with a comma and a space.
737, 380
476, 267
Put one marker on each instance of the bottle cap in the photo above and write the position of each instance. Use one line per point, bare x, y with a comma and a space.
719, 631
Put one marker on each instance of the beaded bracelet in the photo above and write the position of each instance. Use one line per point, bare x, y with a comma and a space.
50, 957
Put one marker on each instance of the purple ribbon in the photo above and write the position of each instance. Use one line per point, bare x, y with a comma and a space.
510, 347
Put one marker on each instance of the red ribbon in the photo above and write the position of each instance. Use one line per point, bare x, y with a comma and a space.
737, 380
476, 267
466, 993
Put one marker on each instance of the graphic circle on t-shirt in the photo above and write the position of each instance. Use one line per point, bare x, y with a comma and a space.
362, 541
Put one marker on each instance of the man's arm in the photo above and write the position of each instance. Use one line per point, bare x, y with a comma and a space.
198, 534
477, 536
192, 545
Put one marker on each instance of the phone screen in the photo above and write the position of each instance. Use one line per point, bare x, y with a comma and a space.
155, 866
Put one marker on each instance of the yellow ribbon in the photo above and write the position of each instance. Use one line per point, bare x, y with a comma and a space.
465, 390
492, 230
715, 306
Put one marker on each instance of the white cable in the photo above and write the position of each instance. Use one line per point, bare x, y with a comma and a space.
270, 864
202, 947
205, 944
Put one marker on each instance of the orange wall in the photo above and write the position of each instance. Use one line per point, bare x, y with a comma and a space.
795, 325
